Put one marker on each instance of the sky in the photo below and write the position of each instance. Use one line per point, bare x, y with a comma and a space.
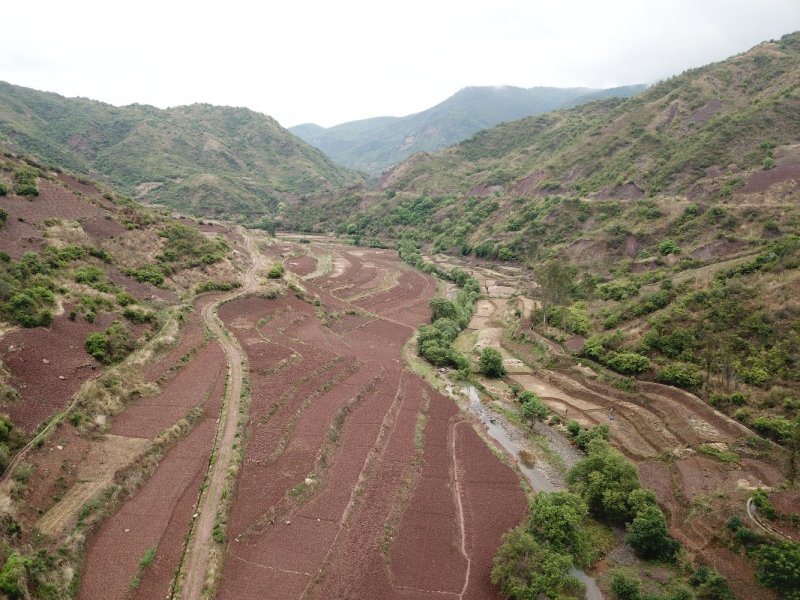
333, 61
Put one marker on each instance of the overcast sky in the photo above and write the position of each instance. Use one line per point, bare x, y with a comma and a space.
337, 60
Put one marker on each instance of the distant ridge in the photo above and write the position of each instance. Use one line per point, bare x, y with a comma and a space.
374, 145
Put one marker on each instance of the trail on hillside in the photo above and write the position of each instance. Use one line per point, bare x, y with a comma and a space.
196, 557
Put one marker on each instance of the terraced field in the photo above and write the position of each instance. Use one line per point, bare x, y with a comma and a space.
359, 480
669, 433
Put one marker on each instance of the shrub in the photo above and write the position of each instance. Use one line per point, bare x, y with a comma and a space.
628, 363
624, 587
668, 247
778, 567
136, 314
3, 215
276, 272
148, 273
680, 374
532, 409
25, 183
14, 574
573, 427
557, 518
710, 585
585, 436
605, 480
648, 536
124, 299
524, 568
490, 363
216, 286
3, 189
442, 309
88, 275
110, 346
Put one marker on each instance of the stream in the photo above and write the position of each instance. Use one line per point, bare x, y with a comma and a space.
537, 479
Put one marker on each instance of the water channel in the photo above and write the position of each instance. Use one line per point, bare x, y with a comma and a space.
537, 479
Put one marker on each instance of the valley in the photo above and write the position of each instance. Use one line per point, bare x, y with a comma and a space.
553, 353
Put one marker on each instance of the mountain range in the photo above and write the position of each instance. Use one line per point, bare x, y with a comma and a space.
373, 145
201, 159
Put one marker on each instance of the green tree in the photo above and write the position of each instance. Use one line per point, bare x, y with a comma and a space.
624, 587
490, 363
555, 281
442, 309
558, 518
532, 408
648, 535
524, 569
605, 480
779, 567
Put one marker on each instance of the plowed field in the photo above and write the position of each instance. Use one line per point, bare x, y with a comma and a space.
359, 481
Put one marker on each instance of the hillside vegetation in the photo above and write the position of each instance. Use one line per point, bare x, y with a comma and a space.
373, 145
202, 159
663, 231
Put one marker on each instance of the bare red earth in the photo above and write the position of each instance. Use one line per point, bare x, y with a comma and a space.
158, 515
369, 521
49, 365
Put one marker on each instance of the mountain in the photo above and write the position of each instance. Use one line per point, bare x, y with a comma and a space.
203, 159
373, 145
673, 219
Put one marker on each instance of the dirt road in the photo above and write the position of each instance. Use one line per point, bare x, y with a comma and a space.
196, 558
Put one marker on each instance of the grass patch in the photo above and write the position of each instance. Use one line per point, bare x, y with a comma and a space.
721, 455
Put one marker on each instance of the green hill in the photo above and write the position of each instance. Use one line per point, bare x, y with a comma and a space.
671, 218
202, 159
373, 145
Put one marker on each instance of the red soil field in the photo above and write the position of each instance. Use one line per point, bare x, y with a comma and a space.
158, 515
299, 524
301, 265
40, 383
191, 386
54, 202
18, 237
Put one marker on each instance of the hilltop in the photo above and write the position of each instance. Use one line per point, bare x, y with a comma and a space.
373, 145
200, 159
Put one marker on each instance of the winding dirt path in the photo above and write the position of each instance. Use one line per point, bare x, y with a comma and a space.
196, 558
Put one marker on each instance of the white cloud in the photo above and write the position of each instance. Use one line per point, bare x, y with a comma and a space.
329, 62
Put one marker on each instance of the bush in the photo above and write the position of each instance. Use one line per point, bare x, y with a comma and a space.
490, 363
13, 575
148, 273
710, 585
585, 436
110, 346
628, 363
136, 314
3, 189
524, 568
216, 286
25, 183
648, 536
778, 567
557, 519
605, 480
624, 587
442, 309
3, 215
532, 409
683, 375
276, 272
